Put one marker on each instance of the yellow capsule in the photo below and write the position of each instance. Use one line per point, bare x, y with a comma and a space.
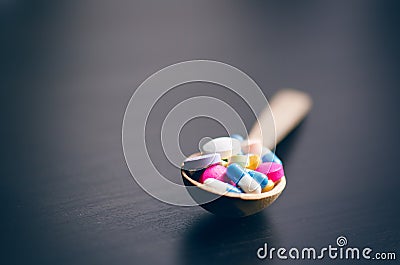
253, 162
270, 186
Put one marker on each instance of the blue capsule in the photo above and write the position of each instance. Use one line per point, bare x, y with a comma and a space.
261, 178
235, 172
239, 175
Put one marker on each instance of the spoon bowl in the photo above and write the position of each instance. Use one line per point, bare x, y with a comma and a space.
232, 204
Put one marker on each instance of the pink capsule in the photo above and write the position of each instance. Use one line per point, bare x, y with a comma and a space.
274, 171
216, 172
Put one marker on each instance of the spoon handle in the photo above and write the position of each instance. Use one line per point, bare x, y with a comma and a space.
289, 107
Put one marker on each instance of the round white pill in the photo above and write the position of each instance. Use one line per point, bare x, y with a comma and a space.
200, 162
225, 146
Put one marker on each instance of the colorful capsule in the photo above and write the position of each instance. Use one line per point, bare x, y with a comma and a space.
220, 186
261, 178
240, 177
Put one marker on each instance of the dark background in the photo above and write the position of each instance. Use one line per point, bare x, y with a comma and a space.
69, 68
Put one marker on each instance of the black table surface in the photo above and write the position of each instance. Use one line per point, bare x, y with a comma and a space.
69, 69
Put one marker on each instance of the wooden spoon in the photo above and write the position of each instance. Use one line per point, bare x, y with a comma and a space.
289, 107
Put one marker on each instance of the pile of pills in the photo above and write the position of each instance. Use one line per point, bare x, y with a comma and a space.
231, 164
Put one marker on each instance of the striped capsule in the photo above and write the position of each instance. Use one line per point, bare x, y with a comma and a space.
221, 187
261, 178
239, 176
